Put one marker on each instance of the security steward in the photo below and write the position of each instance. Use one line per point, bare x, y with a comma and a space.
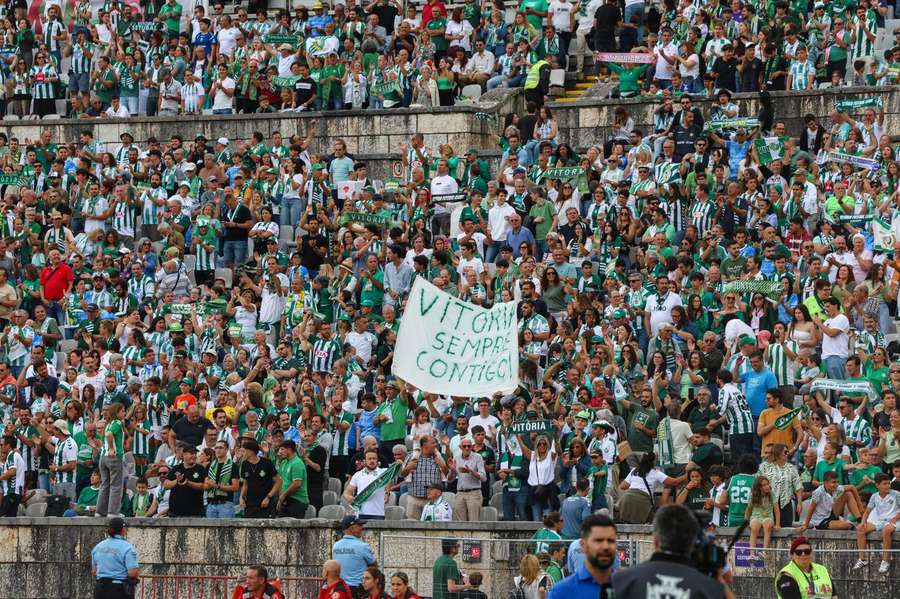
802, 578
537, 83
114, 564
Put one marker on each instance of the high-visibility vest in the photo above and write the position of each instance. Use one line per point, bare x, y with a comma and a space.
817, 586
533, 79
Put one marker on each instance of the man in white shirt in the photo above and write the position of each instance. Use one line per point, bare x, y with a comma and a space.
468, 261
835, 339
227, 36
659, 306
169, 95
116, 110
485, 420
479, 68
362, 341
498, 224
584, 14
443, 184
666, 61
374, 505
222, 91
560, 13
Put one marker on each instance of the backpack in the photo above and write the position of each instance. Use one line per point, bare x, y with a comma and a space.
57, 506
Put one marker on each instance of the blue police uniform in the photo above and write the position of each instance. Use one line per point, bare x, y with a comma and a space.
354, 556
113, 557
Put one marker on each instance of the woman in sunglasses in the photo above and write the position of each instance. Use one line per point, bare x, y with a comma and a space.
802, 577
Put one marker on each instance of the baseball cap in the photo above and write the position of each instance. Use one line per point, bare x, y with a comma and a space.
62, 425
350, 520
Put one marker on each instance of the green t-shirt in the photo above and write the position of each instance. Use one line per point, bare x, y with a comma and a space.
547, 211
856, 479
85, 453
440, 42
539, 5
291, 470
115, 429
370, 291
639, 440
822, 467
599, 480
172, 14
444, 569
739, 489
396, 430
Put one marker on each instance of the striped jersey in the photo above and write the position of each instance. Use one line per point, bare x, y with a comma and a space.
782, 366
81, 58
863, 46
339, 445
323, 354
733, 405
32, 461
15, 484
219, 472
703, 215
800, 72
65, 452
41, 86
149, 209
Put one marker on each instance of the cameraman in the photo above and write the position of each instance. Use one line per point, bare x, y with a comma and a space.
670, 571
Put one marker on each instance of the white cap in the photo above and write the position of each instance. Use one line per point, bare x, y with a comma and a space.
223, 141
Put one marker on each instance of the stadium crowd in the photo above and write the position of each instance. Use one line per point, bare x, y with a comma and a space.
206, 327
118, 59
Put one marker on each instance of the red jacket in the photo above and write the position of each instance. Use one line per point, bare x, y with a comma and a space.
339, 590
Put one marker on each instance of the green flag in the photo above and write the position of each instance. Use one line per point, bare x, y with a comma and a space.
381, 481
770, 289
524, 427
784, 421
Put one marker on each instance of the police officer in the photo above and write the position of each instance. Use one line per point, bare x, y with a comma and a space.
353, 554
114, 564
802, 578
670, 573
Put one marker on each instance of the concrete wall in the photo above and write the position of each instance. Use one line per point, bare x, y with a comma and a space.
50, 558
584, 122
377, 134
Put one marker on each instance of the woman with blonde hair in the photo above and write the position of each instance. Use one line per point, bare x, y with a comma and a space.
532, 581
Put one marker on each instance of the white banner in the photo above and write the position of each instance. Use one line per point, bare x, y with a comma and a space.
450, 347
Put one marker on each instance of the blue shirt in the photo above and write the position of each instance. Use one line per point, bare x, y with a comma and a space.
755, 386
113, 557
367, 425
575, 558
514, 240
574, 510
580, 585
354, 556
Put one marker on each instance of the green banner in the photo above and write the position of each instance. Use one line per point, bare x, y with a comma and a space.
769, 149
381, 481
392, 184
206, 308
565, 172
19, 180
383, 89
281, 38
8, 49
364, 218
784, 421
484, 116
857, 104
525, 427
855, 387
285, 81
735, 123
770, 289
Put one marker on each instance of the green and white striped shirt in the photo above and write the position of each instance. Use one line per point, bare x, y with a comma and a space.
339, 445
780, 364
703, 215
81, 59
65, 452
41, 86
10, 486
800, 72
323, 354
733, 405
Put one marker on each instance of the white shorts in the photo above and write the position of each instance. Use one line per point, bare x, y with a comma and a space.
879, 524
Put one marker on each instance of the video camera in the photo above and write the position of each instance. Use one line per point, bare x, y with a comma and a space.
708, 556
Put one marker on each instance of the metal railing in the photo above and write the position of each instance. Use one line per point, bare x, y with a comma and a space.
154, 586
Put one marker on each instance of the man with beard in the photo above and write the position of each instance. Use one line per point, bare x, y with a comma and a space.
594, 577
669, 572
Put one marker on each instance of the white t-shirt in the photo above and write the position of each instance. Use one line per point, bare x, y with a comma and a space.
561, 15
222, 100
474, 264
655, 478
491, 422
442, 185
660, 310
228, 39
497, 223
824, 504
374, 505
884, 508
664, 68
839, 345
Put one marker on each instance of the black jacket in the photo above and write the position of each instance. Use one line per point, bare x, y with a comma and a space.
665, 576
